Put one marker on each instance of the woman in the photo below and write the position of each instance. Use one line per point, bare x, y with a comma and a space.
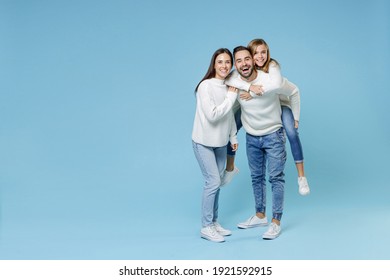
272, 80
214, 127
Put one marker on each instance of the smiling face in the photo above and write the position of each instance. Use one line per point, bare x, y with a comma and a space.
260, 55
244, 64
222, 66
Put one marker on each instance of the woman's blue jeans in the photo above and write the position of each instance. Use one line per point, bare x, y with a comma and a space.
212, 164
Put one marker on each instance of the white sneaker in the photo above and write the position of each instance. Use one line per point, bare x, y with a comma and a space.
222, 231
272, 232
210, 233
253, 221
303, 186
227, 176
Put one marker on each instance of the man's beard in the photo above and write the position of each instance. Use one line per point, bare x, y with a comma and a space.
246, 76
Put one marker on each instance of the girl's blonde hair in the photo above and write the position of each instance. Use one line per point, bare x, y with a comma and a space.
252, 47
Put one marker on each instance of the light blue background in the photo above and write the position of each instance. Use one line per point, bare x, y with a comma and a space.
96, 116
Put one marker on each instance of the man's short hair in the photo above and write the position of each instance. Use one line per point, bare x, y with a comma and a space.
240, 48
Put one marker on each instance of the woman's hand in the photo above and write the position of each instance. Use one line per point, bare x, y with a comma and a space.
245, 96
257, 89
296, 124
234, 147
233, 89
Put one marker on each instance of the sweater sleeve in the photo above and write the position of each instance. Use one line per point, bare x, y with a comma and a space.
295, 100
292, 92
234, 81
214, 112
275, 78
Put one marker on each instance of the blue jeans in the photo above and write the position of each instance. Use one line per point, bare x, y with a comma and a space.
212, 164
262, 150
292, 134
237, 117
291, 131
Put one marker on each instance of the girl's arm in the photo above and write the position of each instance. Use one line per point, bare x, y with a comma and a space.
236, 82
275, 80
212, 111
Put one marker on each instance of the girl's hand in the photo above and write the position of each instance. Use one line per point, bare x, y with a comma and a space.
296, 124
234, 147
245, 96
257, 89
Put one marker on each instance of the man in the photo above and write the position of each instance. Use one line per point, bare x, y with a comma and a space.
265, 144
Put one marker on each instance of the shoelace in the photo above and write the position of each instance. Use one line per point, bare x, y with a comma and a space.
274, 227
213, 230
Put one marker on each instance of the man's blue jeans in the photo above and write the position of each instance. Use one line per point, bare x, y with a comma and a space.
291, 132
267, 150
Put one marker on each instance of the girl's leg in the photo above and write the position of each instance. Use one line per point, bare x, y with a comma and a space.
231, 170
230, 153
296, 148
230, 161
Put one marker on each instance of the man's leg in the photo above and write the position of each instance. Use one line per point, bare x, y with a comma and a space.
276, 156
257, 161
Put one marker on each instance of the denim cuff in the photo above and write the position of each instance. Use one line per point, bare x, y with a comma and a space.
277, 216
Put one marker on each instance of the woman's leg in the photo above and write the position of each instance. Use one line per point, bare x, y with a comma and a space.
220, 157
211, 168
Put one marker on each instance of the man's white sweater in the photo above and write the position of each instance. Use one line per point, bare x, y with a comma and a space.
214, 123
271, 81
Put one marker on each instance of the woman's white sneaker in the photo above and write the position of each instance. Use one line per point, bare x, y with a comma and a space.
222, 231
210, 233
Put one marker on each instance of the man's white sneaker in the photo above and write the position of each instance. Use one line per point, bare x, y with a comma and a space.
253, 221
222, 231
210, 233
303, 186
227, 176
272, 232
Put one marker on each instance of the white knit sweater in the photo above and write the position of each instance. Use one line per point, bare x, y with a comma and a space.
262, 115
214, 123
272, 82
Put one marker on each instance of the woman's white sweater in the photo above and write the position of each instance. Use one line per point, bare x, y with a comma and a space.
214, 123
